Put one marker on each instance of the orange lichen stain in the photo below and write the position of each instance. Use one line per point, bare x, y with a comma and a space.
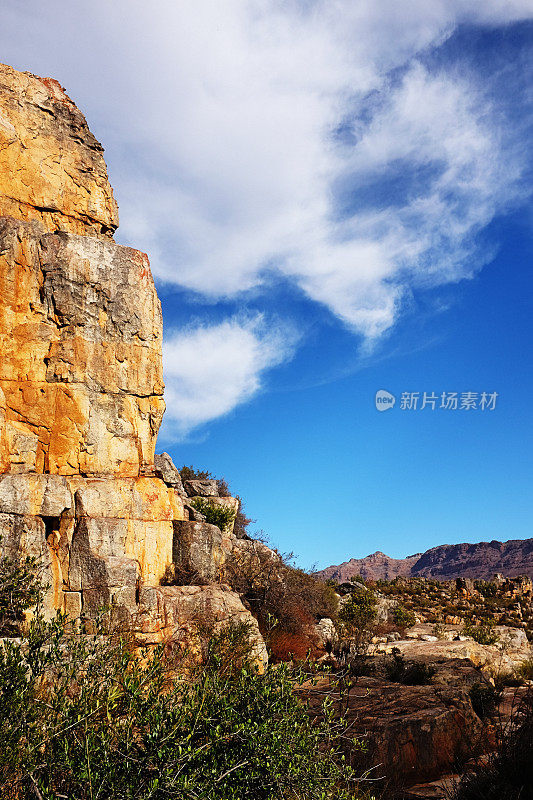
56, 90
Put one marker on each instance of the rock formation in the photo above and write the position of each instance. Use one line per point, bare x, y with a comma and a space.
81, 387
445, 562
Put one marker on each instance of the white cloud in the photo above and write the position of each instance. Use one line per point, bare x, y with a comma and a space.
209, 370
218, 120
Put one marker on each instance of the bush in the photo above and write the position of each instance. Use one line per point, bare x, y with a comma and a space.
20, 588
403, 618
192, 474
525, 670
285, 600
410, 673
221, 516
357, 618
84, 717
242, 522
482, 634
507, 773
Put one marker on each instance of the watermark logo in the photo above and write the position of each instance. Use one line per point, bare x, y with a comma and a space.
438, 401
384, 400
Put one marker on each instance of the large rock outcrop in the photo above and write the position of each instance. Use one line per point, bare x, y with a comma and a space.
81, 387
51, 167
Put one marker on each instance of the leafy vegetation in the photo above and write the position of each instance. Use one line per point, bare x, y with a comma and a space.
484, 698
525, 670
403, 618
215, 514
483, 634
357, 618
242, 521
506, 773
85, 717
410, 673
20, 588
286, 601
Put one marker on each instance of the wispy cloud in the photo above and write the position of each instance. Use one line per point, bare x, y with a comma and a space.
209, 370
317, 141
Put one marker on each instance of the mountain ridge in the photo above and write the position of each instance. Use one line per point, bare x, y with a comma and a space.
444, 562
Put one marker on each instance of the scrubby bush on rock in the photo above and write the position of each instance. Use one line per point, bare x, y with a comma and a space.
507, 773
286, 601
20, 588
221, 516
482, 634
403, 618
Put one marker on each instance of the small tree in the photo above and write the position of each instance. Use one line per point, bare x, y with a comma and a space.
357, 617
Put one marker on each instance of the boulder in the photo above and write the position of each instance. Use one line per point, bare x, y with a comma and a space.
414, 733
197, 551
165, 469
182, 614
201, 488
326, 632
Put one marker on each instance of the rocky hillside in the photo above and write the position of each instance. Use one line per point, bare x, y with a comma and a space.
446, 562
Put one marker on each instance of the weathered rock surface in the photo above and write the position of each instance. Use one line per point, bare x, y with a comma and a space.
446, 562
415, 733
201, 488
168, 472
182, 612
81, 374
492, 660
51, 166
81, 390
197, 551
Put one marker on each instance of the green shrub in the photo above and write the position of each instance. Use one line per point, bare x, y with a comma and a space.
85, 718
410, 673
190, 473
439, 629
482, 634
20, 588
486, 588
403, 617
525, 670
219, 515
358, 617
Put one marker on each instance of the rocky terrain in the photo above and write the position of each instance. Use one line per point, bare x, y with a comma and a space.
443, 667
446, 562
81, 392
116, 526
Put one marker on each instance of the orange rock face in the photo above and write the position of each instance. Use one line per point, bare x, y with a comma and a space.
81, 387
51, 166
81, 336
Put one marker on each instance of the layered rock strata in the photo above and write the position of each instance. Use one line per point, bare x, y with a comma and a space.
81, 389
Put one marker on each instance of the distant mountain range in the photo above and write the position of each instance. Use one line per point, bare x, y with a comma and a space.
445, 562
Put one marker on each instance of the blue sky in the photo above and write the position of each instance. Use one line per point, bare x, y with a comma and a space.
335, 198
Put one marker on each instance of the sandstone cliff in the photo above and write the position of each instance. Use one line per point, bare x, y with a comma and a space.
445, 562
81, 387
